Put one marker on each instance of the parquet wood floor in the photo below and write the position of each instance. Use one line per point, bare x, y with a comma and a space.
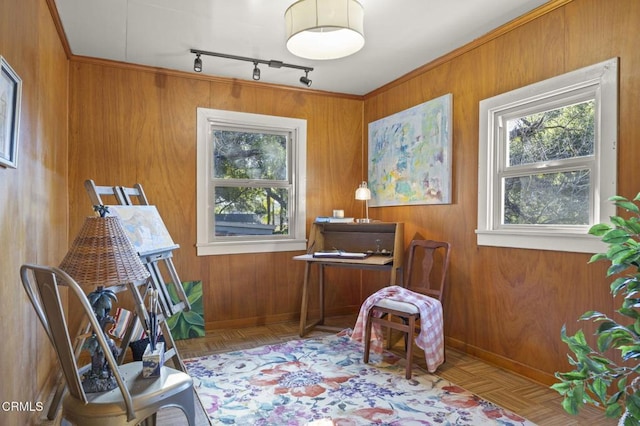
532, 400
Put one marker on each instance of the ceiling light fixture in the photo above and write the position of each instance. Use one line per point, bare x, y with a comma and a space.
324, 29
197, 65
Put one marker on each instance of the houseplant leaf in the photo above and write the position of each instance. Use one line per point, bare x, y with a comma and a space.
595, 374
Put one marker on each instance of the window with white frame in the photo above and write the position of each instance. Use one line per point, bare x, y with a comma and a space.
251, 178
547, 161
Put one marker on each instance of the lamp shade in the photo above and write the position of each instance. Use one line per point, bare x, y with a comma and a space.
363, 192
103, 255
324, 29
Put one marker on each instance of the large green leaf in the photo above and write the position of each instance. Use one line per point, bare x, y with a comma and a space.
633, 407
599, 388
630, 352
613, 411
570, 405
184, 328
619, 284
188, 324
573, 376
193, 318
628, 205
599, 229
633, 225
194, 292
562, 388
590, 315
616, 269
615, 236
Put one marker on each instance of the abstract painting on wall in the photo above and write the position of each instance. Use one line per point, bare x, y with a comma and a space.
410, 155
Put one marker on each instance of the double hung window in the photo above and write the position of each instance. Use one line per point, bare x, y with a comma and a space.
548, 161
251, 175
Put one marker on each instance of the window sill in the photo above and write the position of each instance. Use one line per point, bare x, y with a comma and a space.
566, 242
240, 247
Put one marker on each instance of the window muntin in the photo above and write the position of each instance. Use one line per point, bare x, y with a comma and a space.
251, 182
533, 194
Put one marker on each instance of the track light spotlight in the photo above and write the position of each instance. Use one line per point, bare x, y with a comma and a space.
256, 71
305, 80
197, 64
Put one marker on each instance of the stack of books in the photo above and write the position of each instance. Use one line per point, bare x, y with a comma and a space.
331, 219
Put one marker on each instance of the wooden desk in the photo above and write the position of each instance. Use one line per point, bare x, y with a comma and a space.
351, 237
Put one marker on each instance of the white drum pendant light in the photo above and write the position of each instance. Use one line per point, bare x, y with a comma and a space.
324, 29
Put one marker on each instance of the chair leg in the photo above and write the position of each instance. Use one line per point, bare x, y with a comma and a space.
405, 335
149, 421
389, 331
409, 345
56, 402
367, 335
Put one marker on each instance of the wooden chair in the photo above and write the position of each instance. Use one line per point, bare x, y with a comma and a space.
135, 399
428, 280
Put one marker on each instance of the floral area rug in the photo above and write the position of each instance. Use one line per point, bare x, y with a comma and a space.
325, 382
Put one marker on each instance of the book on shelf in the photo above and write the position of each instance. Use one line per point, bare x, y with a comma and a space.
340, 254
331, 219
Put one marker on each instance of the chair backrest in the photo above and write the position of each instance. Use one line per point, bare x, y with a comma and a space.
42, 286
427, 267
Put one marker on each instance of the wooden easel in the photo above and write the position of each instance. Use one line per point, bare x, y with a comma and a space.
128, 197
153, 262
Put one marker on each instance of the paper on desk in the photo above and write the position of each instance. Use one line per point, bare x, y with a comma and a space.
340, 254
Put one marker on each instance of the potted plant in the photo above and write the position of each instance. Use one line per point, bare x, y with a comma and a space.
597, 379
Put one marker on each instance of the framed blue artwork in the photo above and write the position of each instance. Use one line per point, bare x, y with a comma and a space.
410, 155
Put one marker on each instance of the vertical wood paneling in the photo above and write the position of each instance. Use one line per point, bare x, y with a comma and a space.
33, 199
614, 33
508, 305
130, 125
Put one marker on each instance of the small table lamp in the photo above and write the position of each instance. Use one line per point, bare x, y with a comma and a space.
363, 193
102, 256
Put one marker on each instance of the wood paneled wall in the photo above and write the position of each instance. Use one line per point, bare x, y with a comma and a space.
508, 305
133, 125
33, 201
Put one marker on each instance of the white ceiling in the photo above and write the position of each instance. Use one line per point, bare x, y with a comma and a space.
401, 35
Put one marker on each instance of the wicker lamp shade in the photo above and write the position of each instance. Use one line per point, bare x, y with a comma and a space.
102, 255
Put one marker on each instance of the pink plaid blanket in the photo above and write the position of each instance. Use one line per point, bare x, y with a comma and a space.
431, 336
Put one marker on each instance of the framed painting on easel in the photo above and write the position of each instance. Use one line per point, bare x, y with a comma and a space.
145, 228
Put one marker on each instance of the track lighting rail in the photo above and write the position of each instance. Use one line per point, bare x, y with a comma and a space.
197, 65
